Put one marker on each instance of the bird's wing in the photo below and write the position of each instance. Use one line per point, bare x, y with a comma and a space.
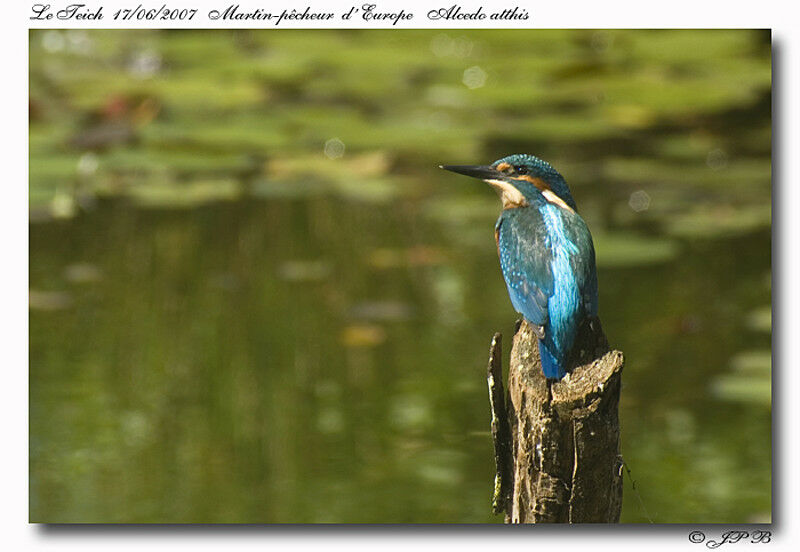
583, 264
525, 261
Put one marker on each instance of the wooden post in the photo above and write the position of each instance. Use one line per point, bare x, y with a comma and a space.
557, 443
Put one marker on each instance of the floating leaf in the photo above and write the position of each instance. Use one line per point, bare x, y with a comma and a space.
719, 220
163, 194
363, 335
304, 271
49, 300
384, 311
420, 255
753, 362
760, 319
82, 273
749, 380
619, 250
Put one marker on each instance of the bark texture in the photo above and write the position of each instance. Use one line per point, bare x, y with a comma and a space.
557, 449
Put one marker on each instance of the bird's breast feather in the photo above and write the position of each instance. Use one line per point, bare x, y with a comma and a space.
525, 260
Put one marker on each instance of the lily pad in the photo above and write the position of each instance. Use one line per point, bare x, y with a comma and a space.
719, 221
166, 195
760, 319
621, 250
749, 379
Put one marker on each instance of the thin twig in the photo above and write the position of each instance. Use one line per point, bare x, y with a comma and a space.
635, 490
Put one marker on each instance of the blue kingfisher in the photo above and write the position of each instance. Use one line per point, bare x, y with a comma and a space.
546, 252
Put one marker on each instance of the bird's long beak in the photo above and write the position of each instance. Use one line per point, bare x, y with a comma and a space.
508, 192
484, 172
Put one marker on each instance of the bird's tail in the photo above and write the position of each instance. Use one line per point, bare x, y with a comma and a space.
552, 368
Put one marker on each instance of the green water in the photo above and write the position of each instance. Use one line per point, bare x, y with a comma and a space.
254, 297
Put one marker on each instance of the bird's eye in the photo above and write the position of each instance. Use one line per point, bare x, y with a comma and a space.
521, 170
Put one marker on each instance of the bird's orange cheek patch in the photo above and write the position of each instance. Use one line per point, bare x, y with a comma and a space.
538, 182
546, 190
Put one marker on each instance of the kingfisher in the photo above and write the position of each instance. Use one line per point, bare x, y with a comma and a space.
546, 252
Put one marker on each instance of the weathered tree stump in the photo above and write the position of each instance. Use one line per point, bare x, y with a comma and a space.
557, 443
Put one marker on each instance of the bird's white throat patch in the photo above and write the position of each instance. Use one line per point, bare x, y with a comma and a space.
509, 194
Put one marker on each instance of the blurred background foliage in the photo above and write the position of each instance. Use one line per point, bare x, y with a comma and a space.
255, 298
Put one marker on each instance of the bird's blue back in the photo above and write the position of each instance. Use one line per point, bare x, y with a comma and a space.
547, 259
